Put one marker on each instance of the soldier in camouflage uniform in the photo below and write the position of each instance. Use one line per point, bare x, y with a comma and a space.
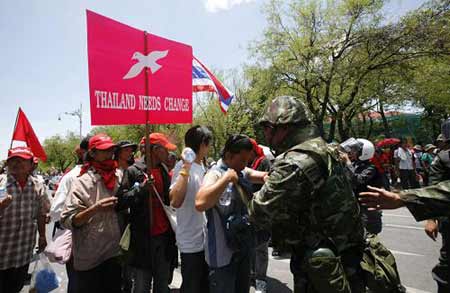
440, 171
429, 202
308, 197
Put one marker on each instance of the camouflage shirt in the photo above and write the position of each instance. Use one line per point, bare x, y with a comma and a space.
308, 197
432, 201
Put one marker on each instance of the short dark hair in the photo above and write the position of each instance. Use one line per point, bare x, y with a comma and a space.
84, 143
197, 135
237, 143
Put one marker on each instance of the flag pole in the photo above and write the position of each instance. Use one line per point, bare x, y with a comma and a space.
148, 159
14, 130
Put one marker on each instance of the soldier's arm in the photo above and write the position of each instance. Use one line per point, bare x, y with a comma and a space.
280, 193
423, 203
428, 202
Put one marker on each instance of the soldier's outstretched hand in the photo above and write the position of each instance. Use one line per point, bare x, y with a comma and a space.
380, 199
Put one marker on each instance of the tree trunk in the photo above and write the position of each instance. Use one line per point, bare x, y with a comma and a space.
332, 131
387, 130
343, 132
369, 133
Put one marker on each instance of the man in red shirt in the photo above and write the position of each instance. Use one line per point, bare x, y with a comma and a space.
152, 242
381, 160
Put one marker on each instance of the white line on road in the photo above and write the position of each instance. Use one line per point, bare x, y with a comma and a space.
400, 216
414, 290
405, 253
403, 226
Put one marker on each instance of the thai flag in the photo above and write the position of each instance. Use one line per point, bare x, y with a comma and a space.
204, 81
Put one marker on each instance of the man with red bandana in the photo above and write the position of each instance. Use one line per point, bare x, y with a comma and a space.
89, 212
152, 241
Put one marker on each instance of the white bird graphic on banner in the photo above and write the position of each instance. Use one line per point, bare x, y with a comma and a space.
145, 61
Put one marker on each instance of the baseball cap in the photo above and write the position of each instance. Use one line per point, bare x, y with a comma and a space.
429, 147
101, 141
21, 152
160, 139
418, 147
126, 143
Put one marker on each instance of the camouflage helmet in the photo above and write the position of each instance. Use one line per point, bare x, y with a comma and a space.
285, 110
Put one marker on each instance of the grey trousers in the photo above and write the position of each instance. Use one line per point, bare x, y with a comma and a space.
142, 279
260, 261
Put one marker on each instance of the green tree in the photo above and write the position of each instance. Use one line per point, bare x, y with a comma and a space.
60, 151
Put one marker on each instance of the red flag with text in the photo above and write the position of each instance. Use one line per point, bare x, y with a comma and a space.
118, 56
24, 132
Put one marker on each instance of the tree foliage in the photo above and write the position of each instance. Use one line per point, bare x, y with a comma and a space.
60, 151
328, 54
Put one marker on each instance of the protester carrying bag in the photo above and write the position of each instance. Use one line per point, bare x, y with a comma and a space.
60, 249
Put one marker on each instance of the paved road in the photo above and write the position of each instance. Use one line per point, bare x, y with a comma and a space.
416, 254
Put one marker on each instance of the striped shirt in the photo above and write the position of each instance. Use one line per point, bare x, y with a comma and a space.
18, 222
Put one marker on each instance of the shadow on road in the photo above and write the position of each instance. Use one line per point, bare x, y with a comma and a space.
275, 285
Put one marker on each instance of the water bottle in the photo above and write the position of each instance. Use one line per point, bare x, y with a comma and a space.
188, 155
2, 192
225, 198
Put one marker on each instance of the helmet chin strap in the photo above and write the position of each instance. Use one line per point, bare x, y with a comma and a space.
272, 136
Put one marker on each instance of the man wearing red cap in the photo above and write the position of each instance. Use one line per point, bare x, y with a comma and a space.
23, 209
89, 212
152, 241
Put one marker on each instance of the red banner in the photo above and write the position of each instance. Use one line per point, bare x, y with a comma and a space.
118, 57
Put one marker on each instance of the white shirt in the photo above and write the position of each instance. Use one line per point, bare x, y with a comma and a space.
62, 191
190, 233
405, 156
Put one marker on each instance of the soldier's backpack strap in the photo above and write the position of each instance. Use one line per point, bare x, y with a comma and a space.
316, 176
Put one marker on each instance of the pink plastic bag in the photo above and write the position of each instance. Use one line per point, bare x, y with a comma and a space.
60, 249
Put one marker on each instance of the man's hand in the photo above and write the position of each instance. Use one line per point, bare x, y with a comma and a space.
380, 199
5, 202
431, 228
186, 165
106, 203
232, 176
344, 158
42, 243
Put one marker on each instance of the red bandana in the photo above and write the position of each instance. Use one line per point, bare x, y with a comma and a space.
106, 169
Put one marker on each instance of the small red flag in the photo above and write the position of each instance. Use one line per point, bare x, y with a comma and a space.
24, 132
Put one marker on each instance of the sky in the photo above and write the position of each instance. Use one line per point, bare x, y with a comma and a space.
43, 55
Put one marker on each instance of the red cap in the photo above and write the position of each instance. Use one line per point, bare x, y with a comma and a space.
101, 141
258, 150
160, 139
22, 152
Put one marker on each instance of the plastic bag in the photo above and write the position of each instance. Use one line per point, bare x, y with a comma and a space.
60, 249
125, 239
43, 279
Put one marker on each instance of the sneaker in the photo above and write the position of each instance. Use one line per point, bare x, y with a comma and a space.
261, 286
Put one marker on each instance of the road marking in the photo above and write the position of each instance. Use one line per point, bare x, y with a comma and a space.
400, 216
405, 253
404, 227
414, 290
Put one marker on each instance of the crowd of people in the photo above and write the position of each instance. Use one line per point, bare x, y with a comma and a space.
119, 202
